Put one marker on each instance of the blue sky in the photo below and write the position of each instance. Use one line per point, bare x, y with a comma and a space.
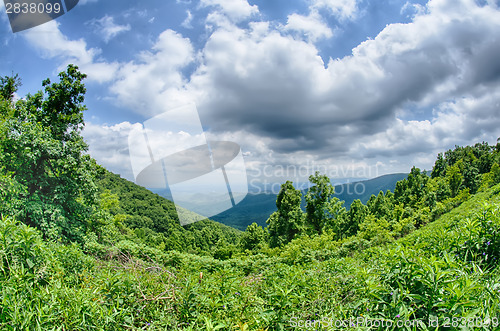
357, 88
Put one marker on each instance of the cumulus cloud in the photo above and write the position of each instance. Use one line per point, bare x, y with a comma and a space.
151, 84
312, 26
272, 92
52, 43
341, 9
187, 22
109, 146
279, 87
413, 8
107, 28
236, 10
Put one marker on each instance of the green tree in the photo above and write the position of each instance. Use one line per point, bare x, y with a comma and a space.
253, 237
44, 152
318, 198
495, 171
285, 223
9, 86
472, 178
439, 168
354, 217
378, 205
454, 178
412, 190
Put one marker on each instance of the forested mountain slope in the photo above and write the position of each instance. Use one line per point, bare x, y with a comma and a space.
154, 218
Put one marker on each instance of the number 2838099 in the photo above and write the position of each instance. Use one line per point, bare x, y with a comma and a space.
33, 8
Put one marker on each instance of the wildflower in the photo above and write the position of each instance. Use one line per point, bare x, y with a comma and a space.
392, 293
484, 253
488, 243
397, 316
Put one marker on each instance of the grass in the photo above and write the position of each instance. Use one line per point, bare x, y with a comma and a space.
445, 273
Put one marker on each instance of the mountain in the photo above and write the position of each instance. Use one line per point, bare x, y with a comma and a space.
258, 207
155, 218
363, 190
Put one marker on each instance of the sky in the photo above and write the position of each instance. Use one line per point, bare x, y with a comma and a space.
352, 88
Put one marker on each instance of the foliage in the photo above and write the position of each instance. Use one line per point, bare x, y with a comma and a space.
288, 220
253, 238
42, 151
419, 278
9, 86
319, 199
154, 220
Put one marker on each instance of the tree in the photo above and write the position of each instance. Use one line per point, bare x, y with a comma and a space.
439, 168
285, 223
413, 189
378, 205
45, 154
495, 173
253, 237
318, 198
454, 178
472, 178
354, 217
9, 86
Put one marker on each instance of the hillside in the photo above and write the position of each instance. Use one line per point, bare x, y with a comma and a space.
257, 207
445, 270
154, 218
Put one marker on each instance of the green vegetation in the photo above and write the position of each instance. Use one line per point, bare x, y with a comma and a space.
81, 248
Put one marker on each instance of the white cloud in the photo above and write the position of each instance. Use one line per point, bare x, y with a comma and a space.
278, 87
280, 101
187, 22
341, 9
413, 8
4, 19
151, 85
236, 10
312, 26
107, 27
109, 146
84, 2
459, 122
52, 43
